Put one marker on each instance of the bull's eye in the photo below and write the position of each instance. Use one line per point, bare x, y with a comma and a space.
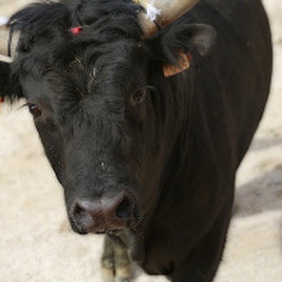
34, 110
138, 97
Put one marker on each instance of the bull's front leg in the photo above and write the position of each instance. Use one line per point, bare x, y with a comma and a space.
116, 264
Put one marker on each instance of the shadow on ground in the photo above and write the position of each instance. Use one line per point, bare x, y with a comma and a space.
261, 194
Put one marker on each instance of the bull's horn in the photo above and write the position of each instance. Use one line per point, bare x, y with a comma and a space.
4, 43
161, 13
5, 59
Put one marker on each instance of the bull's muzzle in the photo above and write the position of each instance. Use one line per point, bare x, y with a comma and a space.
105, 215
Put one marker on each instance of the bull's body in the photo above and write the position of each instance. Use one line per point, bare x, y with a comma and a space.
214, 128
195, 129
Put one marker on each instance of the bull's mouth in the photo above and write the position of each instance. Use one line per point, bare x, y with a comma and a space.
103, 230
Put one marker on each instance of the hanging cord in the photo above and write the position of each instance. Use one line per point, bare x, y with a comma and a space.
10, 41
157, 25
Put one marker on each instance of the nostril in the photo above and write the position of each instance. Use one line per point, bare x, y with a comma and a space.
82, 216
124, 209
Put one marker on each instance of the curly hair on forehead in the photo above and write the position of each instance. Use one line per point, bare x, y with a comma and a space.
51, 24
38, 17
89, 11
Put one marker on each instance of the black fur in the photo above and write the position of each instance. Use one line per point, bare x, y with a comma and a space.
111, 122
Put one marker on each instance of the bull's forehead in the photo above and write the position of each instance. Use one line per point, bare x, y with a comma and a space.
101, 74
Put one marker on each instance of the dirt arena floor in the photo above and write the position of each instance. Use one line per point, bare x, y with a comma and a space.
36, 243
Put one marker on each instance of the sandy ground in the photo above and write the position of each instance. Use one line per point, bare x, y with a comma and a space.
36, 243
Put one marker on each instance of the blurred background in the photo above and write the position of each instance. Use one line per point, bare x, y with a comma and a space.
36, 243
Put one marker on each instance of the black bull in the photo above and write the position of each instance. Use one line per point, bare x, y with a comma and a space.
149, 160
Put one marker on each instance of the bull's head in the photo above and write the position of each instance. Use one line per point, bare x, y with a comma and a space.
100, 101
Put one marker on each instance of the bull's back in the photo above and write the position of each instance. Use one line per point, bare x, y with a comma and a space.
228, 91
238, 71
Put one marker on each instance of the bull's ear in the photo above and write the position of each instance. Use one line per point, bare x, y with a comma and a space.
179, 41
189, 37
8, 87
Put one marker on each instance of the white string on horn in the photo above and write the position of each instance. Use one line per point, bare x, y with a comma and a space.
152, 12
160, 13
